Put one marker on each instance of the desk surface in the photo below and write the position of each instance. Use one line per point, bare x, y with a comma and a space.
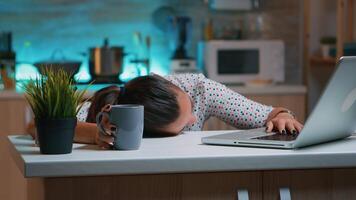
180, 154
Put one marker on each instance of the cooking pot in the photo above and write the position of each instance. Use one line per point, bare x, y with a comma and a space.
105, 63
58, 61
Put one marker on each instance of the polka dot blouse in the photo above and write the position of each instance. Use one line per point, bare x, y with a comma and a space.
83, 112
213, 99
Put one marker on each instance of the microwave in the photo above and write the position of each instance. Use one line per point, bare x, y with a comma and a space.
242, 61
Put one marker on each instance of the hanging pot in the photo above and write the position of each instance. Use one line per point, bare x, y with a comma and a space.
106, 62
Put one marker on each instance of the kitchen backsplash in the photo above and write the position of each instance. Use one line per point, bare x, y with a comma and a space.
40, 26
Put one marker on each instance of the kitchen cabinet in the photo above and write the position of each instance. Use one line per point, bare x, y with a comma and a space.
326, 184
218, 186
311, 184
12, 183
12, 121
14, 115
191, 186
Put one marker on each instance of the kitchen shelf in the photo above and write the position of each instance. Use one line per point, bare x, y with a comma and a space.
317, 70
318, 61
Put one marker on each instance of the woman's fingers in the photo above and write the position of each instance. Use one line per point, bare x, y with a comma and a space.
284, 125
290, 127
107, 139
104, 145
280, 124
269, 126
104, 141
106, 108
110, 130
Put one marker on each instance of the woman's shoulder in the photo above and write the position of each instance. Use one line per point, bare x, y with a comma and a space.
189, 83
83, 111
185, 80
186, 77
86, 104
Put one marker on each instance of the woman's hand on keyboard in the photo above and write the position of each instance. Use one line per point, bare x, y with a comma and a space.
283, 122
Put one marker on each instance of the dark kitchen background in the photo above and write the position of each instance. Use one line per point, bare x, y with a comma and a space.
305, 41
39, 27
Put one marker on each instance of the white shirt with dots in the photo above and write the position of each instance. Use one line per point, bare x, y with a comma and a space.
214, 99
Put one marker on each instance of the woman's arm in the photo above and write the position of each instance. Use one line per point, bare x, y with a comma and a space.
241, 112
233, 108
88, 133
84, 132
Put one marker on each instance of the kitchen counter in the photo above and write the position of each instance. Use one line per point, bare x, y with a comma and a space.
182, 154
183, 168
18, 93
245, 90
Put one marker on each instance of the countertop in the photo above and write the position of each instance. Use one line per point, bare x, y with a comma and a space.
244, 90
18, 93
181, 154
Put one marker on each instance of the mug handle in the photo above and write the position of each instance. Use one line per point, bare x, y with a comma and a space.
105, 112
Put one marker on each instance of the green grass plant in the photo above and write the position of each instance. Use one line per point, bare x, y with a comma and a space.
53, 95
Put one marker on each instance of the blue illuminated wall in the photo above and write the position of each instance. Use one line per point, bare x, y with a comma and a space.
41, 26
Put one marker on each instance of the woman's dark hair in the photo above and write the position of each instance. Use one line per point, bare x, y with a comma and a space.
156, 94
102, 97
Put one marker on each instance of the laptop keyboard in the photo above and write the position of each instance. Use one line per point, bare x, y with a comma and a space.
280, 137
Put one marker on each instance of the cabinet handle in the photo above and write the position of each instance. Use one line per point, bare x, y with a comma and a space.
284, 193
242, 194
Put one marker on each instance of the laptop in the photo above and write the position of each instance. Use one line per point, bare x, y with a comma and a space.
333, 118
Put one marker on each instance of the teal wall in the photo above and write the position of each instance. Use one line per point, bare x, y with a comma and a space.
41, 26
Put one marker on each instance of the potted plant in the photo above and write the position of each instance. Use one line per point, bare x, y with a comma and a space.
326, 44
54, 101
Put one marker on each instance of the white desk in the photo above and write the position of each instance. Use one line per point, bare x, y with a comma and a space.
183, 168
180, 154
